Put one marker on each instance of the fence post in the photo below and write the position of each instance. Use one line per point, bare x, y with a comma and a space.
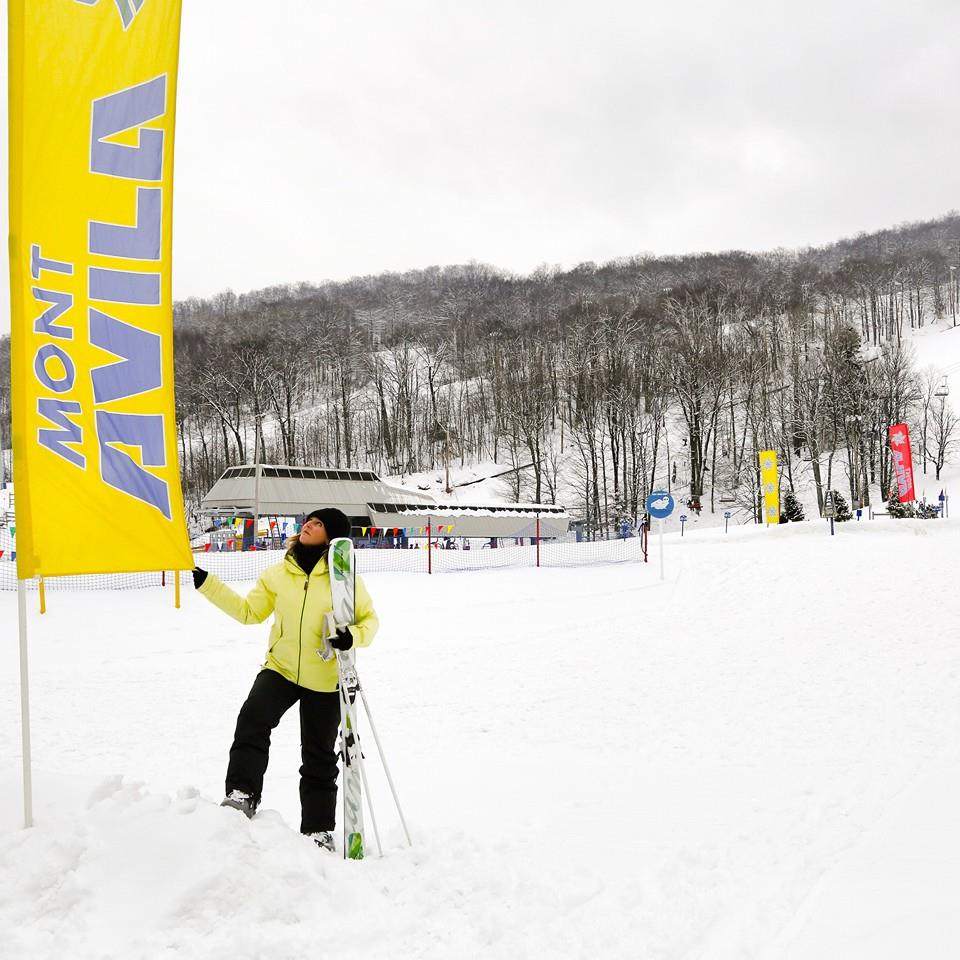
538, 539
163, 578
176, 591
43, 597
429, 547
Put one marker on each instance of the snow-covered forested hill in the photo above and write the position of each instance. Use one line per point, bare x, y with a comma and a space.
757, 757
595, 384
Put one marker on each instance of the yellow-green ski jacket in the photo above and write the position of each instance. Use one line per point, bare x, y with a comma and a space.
298, 604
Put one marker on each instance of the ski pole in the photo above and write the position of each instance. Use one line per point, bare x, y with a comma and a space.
363, 777
344, 733
369, 799
351, 718
383, 760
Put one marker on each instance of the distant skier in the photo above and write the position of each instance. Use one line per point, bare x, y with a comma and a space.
297, 592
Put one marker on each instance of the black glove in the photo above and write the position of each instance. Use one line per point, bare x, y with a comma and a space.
198, 577
342, 639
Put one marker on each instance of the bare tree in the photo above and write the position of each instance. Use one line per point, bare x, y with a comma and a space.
697, 366
943, 434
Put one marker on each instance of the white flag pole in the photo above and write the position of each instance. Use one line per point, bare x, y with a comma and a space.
25, 706
661, 547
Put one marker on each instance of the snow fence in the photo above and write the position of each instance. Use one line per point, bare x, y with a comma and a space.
239, 567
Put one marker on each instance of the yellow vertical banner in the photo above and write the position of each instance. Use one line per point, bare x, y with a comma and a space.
92, 96
770, 484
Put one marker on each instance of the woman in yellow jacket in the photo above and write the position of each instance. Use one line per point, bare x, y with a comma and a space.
297, 593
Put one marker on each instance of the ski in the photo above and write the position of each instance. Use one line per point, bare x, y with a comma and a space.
342, 580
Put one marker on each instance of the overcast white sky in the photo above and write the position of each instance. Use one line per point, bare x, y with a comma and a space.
325, 139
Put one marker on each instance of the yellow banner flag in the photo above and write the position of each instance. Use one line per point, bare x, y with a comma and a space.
770, 484
92, 95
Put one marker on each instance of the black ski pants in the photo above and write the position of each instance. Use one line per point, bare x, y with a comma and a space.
269, 699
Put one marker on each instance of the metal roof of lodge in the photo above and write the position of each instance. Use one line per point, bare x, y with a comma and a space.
299, 473
463, 509
287, 490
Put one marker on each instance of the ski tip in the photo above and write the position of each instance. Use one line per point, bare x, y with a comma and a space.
355, 846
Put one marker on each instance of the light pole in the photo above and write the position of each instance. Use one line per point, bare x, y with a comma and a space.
442, 431
942, 391
446, 458
953, 293
856, 420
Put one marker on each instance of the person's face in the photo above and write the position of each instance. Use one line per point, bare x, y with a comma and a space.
313, 533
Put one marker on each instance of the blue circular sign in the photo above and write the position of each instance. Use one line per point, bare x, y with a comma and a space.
660, 504
727, 515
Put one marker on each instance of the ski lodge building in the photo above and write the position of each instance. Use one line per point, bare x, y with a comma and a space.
273, 490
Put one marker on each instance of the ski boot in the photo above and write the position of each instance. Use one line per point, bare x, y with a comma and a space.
323, 839
242, 801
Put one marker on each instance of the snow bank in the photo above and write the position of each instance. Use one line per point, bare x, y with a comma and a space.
753, 758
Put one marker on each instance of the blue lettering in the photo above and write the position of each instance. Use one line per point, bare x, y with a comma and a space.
38, 263
128, 9
119, 470
138, 371
124, 286
139, 242
122, 111
66, 382
139, 367
47, 321
70, 432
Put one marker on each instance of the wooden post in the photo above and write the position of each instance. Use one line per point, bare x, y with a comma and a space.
429, 547
538, 539
43, 597
176, 589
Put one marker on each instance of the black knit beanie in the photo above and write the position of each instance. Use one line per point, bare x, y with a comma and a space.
335, 522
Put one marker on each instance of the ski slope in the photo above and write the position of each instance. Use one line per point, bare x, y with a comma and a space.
757, 757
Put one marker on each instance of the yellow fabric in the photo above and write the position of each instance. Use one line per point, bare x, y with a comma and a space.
770, 483
294, 644
92, 97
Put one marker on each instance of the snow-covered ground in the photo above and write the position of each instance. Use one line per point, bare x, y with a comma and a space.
758, 757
